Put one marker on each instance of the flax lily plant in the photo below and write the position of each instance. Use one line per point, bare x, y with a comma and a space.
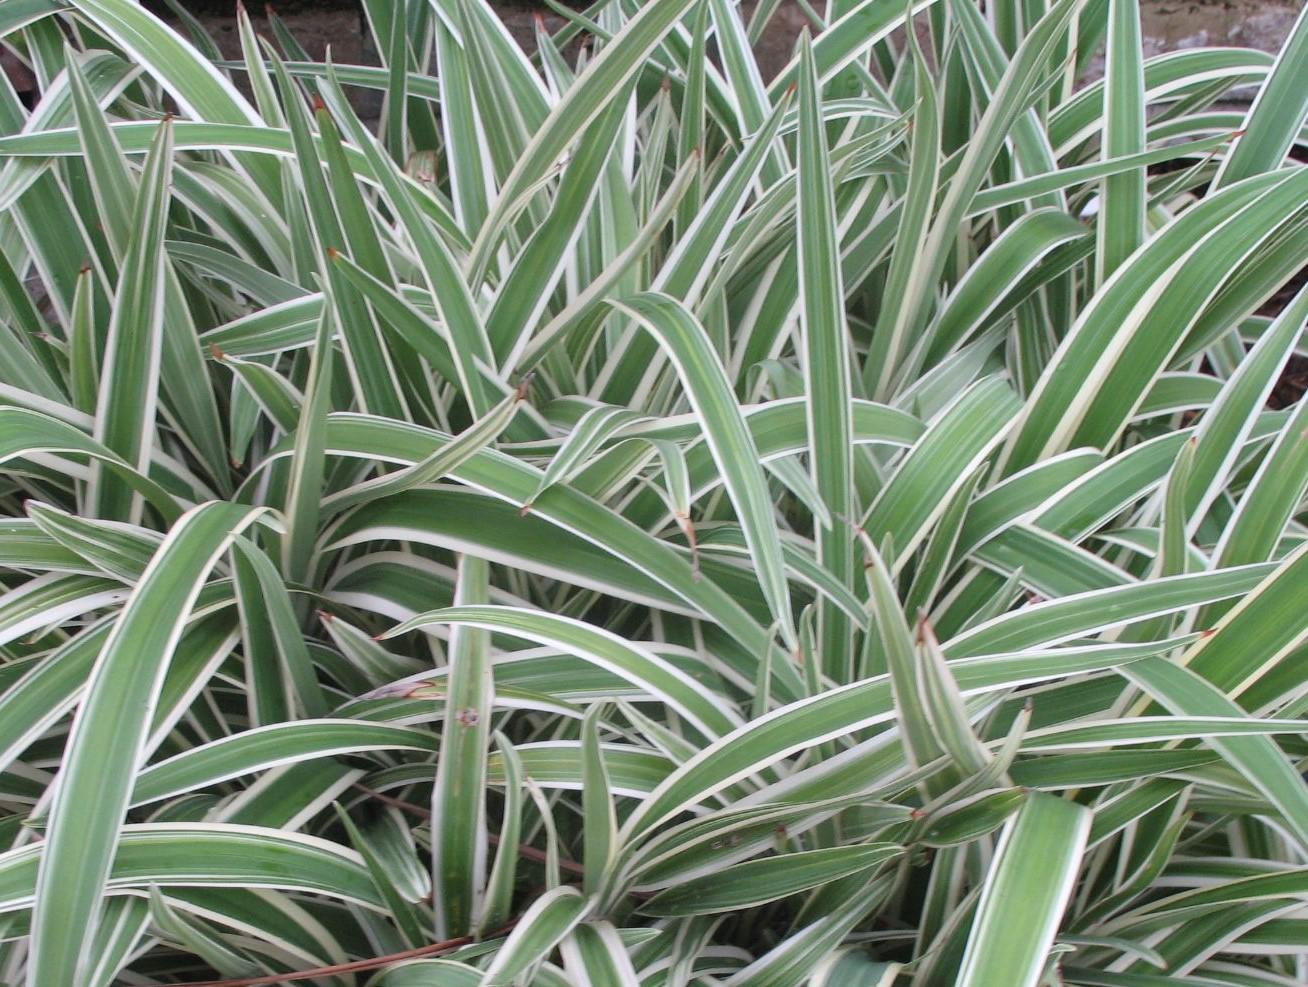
619, 519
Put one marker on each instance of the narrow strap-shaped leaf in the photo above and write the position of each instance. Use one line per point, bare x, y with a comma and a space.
625, 659
600, 819
898, 660
526, 289
500, 882
469, 181
570, 511
1259, 759
939, 552
444, 279
376, 384
551, 917
24, 432
758, 881
459, 845
586, 303
809, 722
744, 83
1005, 108
108, 733
119, 550
200, 855
852, 34
274, 394
837, 909
276, 632
196, 84
263, 748
199, 88
1277, 114
1226, 425
686, 270
1010, 193
372, 841
129, 380
1054, 621
891, 339
944, 705
691, 117
593, 429
955, 445
985, 290
1262, 630
444, 460
1121, 225
394, 129
199, 939
1021, 906
1149, 326
126, 920
709, 391
1272, 497
585, 100
46, 692
826, 365
594, 954
308, 461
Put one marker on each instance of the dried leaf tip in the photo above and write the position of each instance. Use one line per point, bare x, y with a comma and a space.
926, 633
333, 253
524, 387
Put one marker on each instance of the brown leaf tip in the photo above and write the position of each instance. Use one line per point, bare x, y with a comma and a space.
524, 386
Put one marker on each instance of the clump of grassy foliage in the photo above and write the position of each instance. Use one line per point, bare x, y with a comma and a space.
632, 523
